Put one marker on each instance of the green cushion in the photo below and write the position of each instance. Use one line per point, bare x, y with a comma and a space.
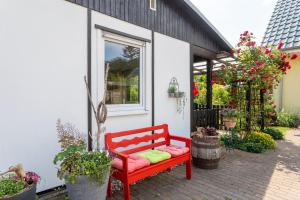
154, 156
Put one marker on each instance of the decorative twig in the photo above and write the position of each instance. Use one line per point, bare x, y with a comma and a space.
18, 169
89, 95
101, 112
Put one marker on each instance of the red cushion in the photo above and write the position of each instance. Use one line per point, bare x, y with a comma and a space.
134, 163
174, 150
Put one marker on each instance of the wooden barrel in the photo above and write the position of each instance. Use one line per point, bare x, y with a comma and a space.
206, 152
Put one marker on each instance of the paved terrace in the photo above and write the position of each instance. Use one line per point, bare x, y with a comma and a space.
274, 175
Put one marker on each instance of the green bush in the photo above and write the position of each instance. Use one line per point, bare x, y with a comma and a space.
252, 147
287, 120
231, 139
257, 142
76, 161
275, 133
10, 187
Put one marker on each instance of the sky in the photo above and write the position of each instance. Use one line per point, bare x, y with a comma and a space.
232, 17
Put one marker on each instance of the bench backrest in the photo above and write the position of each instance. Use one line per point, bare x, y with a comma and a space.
150, 134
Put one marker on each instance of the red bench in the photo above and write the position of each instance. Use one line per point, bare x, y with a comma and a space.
160, 135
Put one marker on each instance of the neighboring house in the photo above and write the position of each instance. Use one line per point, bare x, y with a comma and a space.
285, 26
48, 46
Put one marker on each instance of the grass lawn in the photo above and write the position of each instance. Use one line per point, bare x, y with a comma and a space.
282, 129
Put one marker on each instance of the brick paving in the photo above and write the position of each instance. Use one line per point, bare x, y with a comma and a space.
274, 175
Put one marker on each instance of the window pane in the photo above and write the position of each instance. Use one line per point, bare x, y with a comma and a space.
124, 75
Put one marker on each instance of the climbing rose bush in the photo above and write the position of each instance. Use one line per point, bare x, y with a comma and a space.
261, 65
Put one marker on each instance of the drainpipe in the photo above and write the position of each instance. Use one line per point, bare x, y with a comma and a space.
280, 93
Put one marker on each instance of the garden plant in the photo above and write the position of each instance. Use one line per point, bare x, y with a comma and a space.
80, 165
251, 78
17, 184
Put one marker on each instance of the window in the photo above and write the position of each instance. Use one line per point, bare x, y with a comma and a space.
126, 76
152, 4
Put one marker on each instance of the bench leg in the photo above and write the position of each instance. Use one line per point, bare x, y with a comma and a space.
109, 188
188, 169
126, 191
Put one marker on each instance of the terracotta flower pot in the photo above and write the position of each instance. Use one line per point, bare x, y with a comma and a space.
230, 122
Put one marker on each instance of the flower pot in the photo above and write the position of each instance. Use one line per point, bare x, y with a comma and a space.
230, 122
206, 152
87, 188
171, 95
28, 193
179, 94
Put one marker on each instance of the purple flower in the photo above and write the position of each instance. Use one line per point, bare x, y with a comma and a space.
32, 177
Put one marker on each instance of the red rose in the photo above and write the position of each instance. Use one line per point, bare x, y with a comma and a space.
283, 56
251, 43
286, 64
267, 51
294, 56
195, 89
280, 45
258, 63
263, 90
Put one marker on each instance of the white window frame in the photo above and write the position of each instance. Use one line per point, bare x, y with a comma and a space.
152, 4
124, 109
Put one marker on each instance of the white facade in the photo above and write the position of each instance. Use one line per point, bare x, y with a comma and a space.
43, 61
172, 59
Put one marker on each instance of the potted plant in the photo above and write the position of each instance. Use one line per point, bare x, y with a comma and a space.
172, 90
16, 184
86, 173
206, 149
229, 117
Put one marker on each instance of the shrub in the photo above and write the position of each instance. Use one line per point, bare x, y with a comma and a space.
287, 120
231, 139
252, 147
74, 159
257, 142
10, 187
275, 133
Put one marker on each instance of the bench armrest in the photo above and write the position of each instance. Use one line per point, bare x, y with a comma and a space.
187, 141
119, 154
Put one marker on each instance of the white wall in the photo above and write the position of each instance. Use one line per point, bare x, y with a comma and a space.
126, 120
172, 59
42, 64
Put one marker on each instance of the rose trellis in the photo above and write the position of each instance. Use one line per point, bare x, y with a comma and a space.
257, 70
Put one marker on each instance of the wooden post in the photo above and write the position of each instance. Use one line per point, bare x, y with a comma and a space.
192, 120
262, 110
209, 68
248, 107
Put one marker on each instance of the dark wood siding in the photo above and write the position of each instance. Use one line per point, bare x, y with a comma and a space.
172, 17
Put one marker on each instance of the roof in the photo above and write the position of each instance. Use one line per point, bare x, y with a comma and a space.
209, 24
284, 25
178, 19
